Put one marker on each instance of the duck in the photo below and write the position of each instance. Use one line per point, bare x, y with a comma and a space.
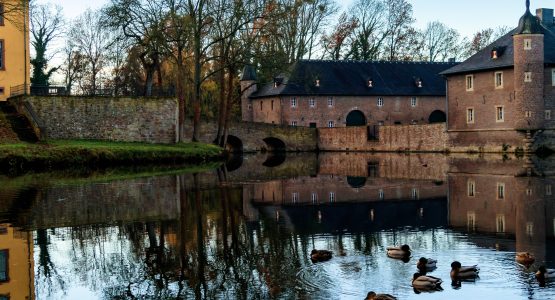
320, 255
459, 272
398, 252
426, 283
426, 264
374, 296
544, 273
525, 258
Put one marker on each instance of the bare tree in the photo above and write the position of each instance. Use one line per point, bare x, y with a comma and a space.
91, 40
334, 44
439, 42
73, 66
370, 33
47, 24
483, 38
399, 22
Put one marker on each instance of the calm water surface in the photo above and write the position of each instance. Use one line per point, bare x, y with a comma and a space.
245, 230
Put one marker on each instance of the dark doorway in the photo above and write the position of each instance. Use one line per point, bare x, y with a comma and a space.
312, 125
274, 144
437, 116
356, 118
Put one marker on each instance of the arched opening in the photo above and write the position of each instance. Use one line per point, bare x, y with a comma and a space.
356, 118
234, 144
274, 144
274, 159
356, 182
437, 116
234, 161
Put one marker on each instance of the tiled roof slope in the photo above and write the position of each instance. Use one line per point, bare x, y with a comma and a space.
350, 78
483, 61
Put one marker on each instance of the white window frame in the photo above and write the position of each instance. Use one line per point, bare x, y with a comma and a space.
294, 197
501, 191
314, 197
294, 123
548, 114
471, 188
470, 115
293, 102
332, 197
311, 102
527, 76
528, 114
499, 113
548, 191
381, 194
380, 102
500, 223
527, 44
469, 83
331, 124
498, 83
413, 101
330, 102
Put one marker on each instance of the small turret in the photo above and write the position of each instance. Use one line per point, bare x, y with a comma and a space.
248, 87
529, 24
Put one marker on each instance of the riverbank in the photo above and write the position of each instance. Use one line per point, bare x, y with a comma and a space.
63, 154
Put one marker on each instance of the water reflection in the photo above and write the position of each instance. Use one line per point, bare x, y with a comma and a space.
246, 230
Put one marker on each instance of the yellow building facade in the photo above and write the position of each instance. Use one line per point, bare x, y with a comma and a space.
17, 274
14, 48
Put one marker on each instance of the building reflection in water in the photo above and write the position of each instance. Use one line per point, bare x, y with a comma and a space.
16, 263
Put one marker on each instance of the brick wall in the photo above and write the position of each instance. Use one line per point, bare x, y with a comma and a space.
150, 120
425, 138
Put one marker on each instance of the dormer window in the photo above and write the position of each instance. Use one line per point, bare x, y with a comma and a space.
275, 84
370, 83
494, 54
277, 81
418, 82
317, 83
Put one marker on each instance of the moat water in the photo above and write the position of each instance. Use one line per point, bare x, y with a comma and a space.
245, 230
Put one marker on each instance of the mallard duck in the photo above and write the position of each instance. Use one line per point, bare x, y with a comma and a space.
459, 272
426, 283
398, 252
544, 273
374, 296
525, 258
426, 264
320, 255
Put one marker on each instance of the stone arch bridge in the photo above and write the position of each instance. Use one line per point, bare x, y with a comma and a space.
251, 137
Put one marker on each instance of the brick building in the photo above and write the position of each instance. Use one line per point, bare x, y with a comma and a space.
507, 89
346, 93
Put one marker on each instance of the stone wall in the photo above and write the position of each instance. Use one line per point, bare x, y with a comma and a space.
149, 120
7, 135
418, 138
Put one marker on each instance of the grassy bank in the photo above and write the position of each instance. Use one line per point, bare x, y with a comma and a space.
63, 154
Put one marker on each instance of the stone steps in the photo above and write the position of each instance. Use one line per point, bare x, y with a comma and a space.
19, 123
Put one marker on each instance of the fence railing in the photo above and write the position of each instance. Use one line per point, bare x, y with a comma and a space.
58, 90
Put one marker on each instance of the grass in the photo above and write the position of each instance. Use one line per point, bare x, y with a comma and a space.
63, 154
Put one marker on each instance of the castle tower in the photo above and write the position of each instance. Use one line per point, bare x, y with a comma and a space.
529, 72
248, 87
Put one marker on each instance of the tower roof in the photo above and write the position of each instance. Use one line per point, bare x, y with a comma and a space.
528, 23
249, 73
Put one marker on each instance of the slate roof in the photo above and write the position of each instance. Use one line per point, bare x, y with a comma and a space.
482, 60
350, 78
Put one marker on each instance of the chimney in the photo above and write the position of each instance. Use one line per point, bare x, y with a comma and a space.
546, 16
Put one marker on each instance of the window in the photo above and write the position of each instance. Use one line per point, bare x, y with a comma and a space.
249, 107
317, 83
500, 223
294, 123
380, 101
381, 194
260, 105
332, 197
529, 228
499, 114
413, 101
527, 44
471, 221
330, 124
500, 191
4, 274
548, 190
548, 114
528, 192
414, 193
294, 197
553, 77
471, 188
293, 102
528, 114
311, 102
330, 101
314, 198
498, 80
470, 115
469, 82
527, 76
2, 56
272, 104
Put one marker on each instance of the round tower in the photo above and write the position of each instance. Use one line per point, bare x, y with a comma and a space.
248, 87
529, 72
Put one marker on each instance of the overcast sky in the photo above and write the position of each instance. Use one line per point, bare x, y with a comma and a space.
467, 16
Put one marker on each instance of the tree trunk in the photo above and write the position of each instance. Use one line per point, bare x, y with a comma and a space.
229, 105
180, 97
221, 110
149, 80
197, 82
